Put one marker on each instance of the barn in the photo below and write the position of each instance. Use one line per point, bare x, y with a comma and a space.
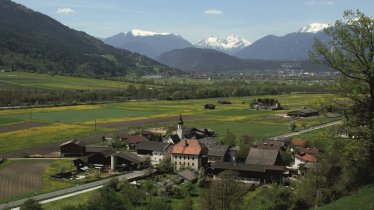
72, 148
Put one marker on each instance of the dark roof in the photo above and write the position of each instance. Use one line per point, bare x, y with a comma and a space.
146, 133
107, 152
97, 149
270, 144
262, 156
130, 157
76, 142
136, 139
187, 175
246, 167
214, 147
152, 146
175, 138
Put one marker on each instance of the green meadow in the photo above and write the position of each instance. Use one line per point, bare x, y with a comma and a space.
23, 80
237, 117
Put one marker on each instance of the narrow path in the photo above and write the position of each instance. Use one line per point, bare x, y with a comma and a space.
307, 130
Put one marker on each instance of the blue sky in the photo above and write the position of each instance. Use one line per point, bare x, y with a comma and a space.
196, 19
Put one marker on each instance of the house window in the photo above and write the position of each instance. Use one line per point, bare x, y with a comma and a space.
193, 164
175, 162
184, 157
188, 163
193, 158
180, 163
188, 158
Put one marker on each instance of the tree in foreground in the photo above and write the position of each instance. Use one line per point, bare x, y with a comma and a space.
351, 53
31, 204
224, 193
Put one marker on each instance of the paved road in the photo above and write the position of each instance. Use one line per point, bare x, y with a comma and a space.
307, 130
70, 191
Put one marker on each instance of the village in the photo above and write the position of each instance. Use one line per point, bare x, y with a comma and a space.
188, 150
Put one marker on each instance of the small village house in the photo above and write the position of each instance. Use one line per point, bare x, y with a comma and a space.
189, 153
217, 152
155, 149
267, 157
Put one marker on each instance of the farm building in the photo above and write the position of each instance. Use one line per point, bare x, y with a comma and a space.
187, 175
127, 161
267, 157
194, 133
217, 152
189, 153
134, 140
93, 150
209, 106
101, 159
72, 148
264, 173
157, 150
303, 113
224, 101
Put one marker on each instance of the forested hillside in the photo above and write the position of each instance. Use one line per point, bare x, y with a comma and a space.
34, 42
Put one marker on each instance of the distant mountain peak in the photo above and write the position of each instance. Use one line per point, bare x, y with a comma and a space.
231, 43
313, 27
138, 32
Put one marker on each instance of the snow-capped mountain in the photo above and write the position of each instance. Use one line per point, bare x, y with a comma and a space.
148, 43
313, 28
231, 44
292, 46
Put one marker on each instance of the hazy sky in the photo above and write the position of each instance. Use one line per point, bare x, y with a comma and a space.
196, 19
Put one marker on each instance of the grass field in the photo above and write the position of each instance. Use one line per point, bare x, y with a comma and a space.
6, 121
33, 137
79, 120
24, 80
362, 200
74, 200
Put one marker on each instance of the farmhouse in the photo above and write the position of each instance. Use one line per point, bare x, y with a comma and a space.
189, 153
72, 148
216, 151
303, 159
100, 159
155, 149
127, 161
267, 157
246, 172
134, 140
209, 106
303, 113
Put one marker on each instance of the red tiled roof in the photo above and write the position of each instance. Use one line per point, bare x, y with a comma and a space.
188, 147
136, 139
298, 142
306, 157
309, 150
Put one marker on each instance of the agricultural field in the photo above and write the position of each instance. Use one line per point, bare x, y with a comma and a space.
80, 120
28, 181
23, 80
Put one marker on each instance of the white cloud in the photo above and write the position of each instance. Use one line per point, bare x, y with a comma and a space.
65, 11
320, 2
213, 12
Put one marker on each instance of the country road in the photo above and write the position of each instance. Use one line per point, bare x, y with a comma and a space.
307, 130
60, 194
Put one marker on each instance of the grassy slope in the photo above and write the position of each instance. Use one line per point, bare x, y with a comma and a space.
363, 200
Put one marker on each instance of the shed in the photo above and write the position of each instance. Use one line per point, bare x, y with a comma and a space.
72, 148
187, 175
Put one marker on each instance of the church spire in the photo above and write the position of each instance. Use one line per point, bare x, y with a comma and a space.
180, 122
180, 127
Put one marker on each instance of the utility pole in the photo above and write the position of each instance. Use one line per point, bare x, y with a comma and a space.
30, 116
95, 124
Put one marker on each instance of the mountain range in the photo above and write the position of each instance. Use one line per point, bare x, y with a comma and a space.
292, 46
150, 44
230, 45
32, 41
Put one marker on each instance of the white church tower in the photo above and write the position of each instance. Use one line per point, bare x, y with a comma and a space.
180, 127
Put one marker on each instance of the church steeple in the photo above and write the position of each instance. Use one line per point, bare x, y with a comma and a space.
180, 127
